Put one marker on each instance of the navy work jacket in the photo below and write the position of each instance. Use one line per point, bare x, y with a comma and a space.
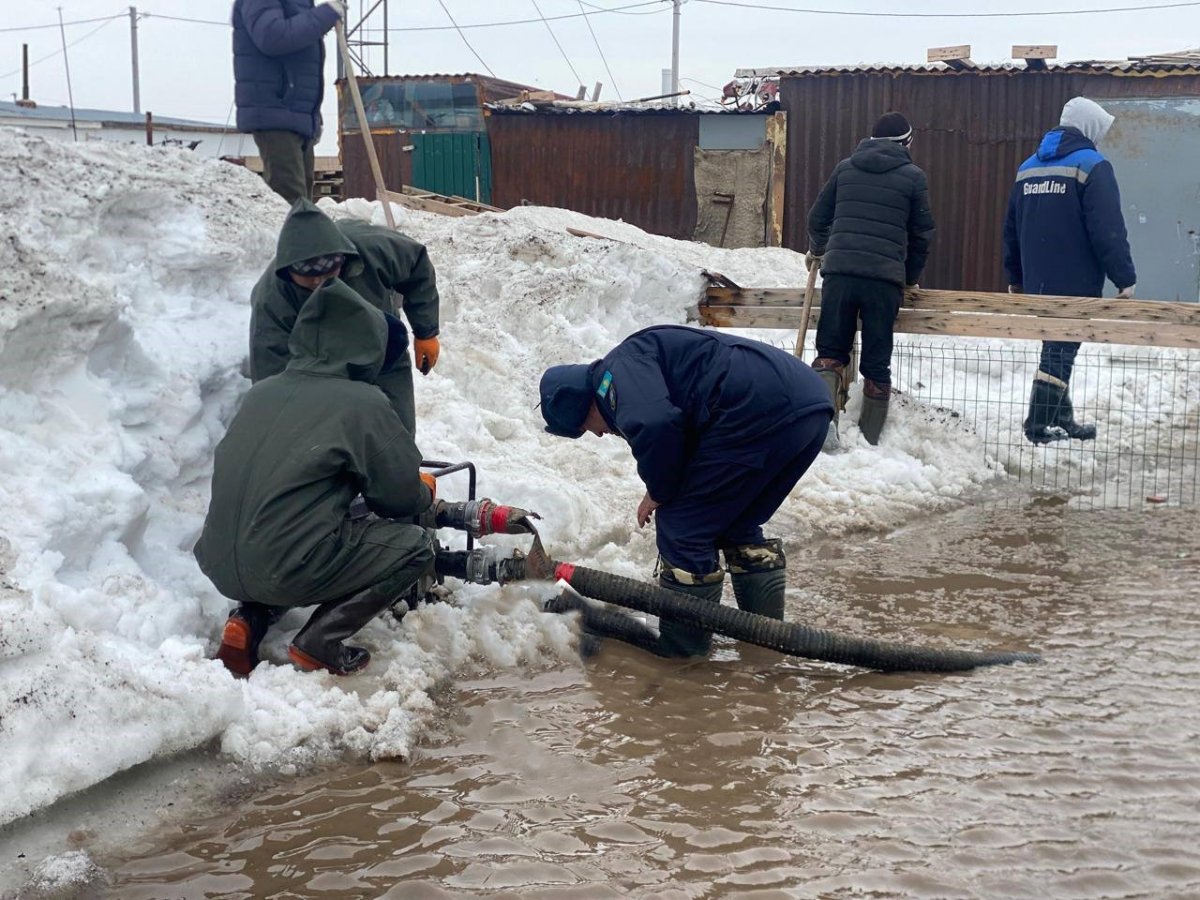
1064, 231
670, 389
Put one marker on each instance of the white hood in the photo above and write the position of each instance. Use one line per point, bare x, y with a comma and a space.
1088, 116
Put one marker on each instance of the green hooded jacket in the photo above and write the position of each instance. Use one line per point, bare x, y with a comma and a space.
379, 262
303, 445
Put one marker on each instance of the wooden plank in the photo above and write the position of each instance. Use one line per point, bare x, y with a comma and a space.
1147, 311
777, 138
1035, 51
578, 232
427, 205
948, 54
1029, 328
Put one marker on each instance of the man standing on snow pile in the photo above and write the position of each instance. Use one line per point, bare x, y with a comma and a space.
870, 232
1063, 234
279, 80
302, 446
722, 428
375, 262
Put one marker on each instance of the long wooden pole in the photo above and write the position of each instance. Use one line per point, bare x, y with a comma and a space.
810, 290
364, 126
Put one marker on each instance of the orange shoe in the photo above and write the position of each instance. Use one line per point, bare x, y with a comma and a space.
238, 647
352, 660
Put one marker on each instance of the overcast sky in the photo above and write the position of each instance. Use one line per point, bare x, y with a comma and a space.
186, 69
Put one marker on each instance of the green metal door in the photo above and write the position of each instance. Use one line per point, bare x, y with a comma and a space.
455, 163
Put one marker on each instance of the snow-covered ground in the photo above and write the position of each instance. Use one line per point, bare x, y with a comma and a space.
125, 274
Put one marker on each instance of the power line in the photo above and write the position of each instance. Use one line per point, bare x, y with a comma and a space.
56, 25
80, 40
596, 12
553, 37
622, 10
964, 15
149, 15
465, 41
596, 41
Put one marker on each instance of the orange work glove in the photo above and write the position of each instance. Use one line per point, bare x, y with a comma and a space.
426, 350
430, 482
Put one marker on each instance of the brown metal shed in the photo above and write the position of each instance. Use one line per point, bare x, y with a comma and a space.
973, 127
634, 165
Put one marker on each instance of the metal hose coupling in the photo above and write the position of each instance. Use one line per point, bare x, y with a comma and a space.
481, 517
480, 566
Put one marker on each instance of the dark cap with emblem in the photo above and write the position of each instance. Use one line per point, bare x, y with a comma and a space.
566, 393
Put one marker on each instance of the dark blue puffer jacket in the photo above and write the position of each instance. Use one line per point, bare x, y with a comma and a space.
1064, 231
279, 63
669, 388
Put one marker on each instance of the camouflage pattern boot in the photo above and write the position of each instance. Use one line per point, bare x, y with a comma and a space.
759, 576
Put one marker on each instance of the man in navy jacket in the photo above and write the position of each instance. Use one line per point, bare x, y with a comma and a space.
722, 428
279, 80
1063, 234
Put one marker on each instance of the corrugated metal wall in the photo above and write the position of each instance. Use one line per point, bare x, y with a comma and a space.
633, 167
972, 131
394, 162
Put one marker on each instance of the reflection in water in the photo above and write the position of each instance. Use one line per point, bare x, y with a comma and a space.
757, 773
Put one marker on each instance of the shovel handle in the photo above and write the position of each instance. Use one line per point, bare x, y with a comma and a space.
810, 289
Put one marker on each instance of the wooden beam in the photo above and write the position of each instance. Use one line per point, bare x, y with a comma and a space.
957, 53
1035, 51
986, 325
1158, 312
427, 205
777, 138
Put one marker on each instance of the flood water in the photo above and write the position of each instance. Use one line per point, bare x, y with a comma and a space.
753, 774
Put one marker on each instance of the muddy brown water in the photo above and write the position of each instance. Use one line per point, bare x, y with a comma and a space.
756, 775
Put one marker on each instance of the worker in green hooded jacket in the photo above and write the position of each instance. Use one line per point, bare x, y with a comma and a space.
376, 262
302, 446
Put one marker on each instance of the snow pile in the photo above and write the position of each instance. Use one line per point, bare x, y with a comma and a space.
123, 319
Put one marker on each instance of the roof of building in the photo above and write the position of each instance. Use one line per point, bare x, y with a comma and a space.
11, 110
1184, 62
585, 108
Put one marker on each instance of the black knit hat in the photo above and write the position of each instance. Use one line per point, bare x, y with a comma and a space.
319, 265
893, 126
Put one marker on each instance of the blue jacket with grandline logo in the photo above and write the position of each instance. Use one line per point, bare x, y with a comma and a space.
1064, 232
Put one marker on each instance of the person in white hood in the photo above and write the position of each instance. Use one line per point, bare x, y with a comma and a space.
1064, 234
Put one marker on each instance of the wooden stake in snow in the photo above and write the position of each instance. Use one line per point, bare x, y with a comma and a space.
364, 126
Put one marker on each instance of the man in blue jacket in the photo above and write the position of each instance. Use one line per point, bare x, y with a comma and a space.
1063, 234
279, 80
722, 428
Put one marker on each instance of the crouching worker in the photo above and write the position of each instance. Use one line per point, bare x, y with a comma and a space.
302, 446
721, 428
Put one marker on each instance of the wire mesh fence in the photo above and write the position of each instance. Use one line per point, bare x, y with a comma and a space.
1145, 403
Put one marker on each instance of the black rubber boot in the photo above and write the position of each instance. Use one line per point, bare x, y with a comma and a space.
1066, 421
243, 633
1044, 401
758, 576
874, 410
318, 645
676, 638
830, 371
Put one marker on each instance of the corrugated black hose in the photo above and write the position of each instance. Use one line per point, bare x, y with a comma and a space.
785, 637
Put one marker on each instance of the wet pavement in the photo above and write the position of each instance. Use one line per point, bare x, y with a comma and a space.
753, 774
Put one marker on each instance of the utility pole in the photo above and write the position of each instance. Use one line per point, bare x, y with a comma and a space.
62, 30
675, 53
133, 46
